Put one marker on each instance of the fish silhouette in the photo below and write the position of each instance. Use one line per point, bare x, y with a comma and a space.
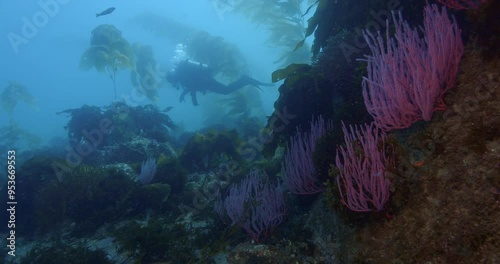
105, 12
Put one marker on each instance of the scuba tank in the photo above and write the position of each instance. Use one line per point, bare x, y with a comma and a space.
198, 64
193, 69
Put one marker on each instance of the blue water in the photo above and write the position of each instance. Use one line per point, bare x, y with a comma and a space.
42, 42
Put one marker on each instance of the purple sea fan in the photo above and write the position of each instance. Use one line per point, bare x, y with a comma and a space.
148, 171
362, 164
254, 205
407, 75
298, 167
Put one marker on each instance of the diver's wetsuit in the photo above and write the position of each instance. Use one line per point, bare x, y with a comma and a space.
196, 77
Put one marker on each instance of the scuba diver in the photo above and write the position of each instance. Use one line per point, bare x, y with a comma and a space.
197, 77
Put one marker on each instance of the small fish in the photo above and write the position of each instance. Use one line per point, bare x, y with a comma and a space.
166, 110
105, 12
418, 163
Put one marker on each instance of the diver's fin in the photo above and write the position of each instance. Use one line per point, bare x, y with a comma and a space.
245, 80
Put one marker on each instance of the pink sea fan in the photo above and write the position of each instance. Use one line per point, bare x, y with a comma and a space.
362, 165
298, 167
408, 75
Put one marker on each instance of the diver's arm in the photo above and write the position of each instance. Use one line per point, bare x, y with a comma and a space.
193, 98
183, 94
